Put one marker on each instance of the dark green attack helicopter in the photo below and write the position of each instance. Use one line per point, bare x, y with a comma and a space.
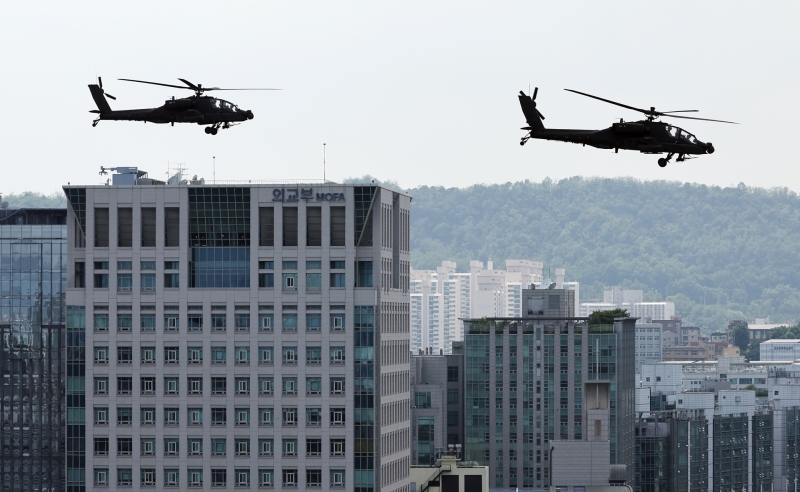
204, 110
647, 136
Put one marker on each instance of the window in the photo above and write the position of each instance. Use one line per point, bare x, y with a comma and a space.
172, 265
337, 321
101, 415
337, 355
170, 355
124, 355
171, 447
148, 265
289, 322
337, 226
171, 416
266, 477
101, 265
124, 322
313, 355
337, 416
265, 385
313, 447
313, 282
266, 280
452, 396
195, 355
124, 416
452, 418
337, 385
242, 477
290, 416
313, 265
364, 274
289, 281
124, 282
290, 226
219, 416
171, 227
266, 416
242, 355
101, 322
265, 447
313, 477
289, 265
266, 226
313, 385
242, 321
219, 385
242, 445
124, 476
124, 227
266, 355
170, 386
148, 385
101, 476
218, 355
243, 385
148, 282
289, 385
313, 226
337, 447
195, 322
338, 280
100, 280
337, 478
147, 446
265, 322
313, 416
147, 322
219, 477
219, 446
195, 385
100, 385
124, 385
289, 447
171, 477
194, 416
313, 321
242, 416
101, 355
148, 415
80, 274
172, 323
195, 446
172, 280
195, 477
422, 400
219, 322
290, 355
452, 374
101, 446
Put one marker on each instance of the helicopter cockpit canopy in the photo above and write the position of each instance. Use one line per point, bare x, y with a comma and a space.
681, 133
222, 104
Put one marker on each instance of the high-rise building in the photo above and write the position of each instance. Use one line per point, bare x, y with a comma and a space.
238, 336
33, 252
526, 385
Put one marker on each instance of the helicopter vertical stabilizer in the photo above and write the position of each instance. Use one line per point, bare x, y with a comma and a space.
99, 98
532, 115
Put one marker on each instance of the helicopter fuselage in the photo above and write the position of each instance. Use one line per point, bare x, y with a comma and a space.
202, 110
648, 137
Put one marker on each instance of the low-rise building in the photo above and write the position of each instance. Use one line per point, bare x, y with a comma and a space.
449, 474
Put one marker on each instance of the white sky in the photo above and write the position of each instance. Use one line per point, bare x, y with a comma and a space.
423, 93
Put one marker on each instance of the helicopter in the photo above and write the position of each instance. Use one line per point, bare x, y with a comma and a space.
648, 136
200, 109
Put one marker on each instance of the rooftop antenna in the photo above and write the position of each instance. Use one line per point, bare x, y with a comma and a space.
324, 178
214, 169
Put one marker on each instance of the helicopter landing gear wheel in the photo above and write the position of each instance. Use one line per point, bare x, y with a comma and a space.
662, 162
213, 131
210, 130
207, 130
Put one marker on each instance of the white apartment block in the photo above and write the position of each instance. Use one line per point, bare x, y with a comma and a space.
648, 344
238, 337
630, 300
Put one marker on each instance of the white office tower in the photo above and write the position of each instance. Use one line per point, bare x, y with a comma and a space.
238, 337
439, 298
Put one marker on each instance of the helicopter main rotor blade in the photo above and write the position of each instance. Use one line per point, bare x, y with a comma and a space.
191, 85
681, 111
220, 89
645, 111
701, 119
156, 83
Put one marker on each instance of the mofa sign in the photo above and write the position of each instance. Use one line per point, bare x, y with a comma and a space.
294, 195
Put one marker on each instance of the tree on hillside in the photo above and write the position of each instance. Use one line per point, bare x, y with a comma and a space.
607, 317
741, 337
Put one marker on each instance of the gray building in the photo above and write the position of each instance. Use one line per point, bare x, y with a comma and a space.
238, 337
437, 404
525, 384
33, 252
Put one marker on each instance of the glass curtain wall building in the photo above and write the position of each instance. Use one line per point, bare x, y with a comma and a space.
32, 286
524, 387
247, 337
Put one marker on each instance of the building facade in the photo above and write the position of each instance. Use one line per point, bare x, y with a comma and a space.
238, 337
33, 252
526, 380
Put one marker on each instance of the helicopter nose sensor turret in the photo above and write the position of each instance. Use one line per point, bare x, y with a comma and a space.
709, 148
249, 115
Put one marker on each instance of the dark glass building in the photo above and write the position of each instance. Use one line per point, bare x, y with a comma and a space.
32, 285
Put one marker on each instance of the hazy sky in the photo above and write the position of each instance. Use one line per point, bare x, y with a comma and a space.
423, 93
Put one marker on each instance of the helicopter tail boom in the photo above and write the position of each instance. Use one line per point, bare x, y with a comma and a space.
99, 98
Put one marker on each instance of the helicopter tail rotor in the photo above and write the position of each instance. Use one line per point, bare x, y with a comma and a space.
99, 97
532, 115
100, 83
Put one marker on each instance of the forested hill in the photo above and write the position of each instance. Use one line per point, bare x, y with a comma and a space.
718, 253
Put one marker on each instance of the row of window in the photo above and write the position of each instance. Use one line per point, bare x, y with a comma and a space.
219, 446
219, 477
219, 322
290, 416
219, 355
219, 385
147, 281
